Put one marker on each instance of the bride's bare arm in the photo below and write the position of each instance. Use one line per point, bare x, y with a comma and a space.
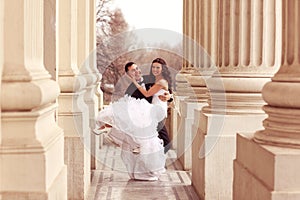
154, 89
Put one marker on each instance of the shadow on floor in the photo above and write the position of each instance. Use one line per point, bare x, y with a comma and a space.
111, 182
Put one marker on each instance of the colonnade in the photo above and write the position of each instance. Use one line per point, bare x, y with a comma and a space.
243, 42
48, 102
237, 93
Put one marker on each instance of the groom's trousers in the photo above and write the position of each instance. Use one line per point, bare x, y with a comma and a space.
163, 134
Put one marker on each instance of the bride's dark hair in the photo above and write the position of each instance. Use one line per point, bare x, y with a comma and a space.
165, 71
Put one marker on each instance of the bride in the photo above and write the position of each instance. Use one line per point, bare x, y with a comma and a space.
138, 119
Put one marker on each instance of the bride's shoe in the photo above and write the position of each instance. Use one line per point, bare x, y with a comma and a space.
99, 131
136, 150
154, 178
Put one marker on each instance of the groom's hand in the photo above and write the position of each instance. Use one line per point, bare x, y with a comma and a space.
165, 97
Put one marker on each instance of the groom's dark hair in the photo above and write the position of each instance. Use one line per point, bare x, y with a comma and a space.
128, 65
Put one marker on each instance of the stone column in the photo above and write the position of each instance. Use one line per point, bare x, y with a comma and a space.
207, 31
87, 63
1, 68
1, 59
50, 38
188, 32
183, 90
194, 92
185, 131
73, 111
180, 79
32, 145
267, 165
93, 56
245, 63
94, 93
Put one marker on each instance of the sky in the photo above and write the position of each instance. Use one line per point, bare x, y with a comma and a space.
154, 14
166, 14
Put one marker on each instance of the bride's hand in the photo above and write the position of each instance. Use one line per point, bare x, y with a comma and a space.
131, 77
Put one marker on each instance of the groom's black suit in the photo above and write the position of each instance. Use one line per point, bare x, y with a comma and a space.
134, 92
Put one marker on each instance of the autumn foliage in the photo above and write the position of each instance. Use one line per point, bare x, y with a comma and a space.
114, 41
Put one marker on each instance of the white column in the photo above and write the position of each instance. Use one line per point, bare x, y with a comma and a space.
1, 68
188, 23
50, 38
271, 171
93, 100
183, 90
180, 79
183, 28
235, 93
73, 113
281, 92
32, 145
1, 56
192, 92
185, 135
87, 64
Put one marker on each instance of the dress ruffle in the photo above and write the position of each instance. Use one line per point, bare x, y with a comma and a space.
136, 117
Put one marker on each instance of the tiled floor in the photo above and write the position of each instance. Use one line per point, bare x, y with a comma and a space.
111, 181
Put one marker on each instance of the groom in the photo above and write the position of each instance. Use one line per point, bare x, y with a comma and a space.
133, 70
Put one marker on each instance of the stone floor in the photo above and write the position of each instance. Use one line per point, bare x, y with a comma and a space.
111, 181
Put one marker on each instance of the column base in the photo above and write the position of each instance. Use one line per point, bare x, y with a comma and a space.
212, 175
74, 118
263, 172
185, 134
173, 127
93, 111
56, 191
32, 156
213, 153
77, 160
184, 143
175, 121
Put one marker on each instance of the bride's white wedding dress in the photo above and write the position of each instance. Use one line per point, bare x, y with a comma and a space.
138, 119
